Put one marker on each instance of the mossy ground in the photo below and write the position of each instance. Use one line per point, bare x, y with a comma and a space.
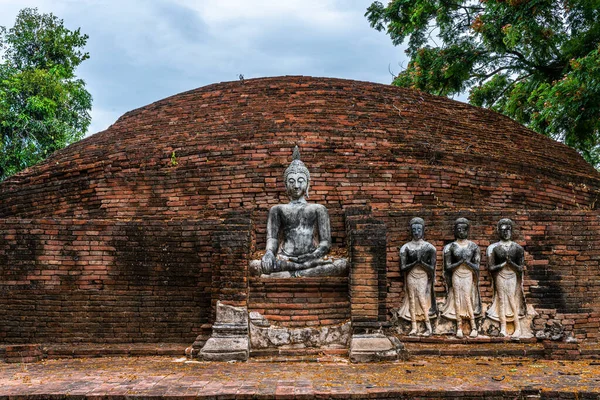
118, 377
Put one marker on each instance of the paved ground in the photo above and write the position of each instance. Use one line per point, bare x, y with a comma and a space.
160, 376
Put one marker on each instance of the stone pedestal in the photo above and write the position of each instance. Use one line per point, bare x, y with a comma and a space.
282, 339
492, 328
229, 340
376, 347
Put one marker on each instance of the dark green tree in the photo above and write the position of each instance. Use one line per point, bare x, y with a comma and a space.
536, 61
43, 106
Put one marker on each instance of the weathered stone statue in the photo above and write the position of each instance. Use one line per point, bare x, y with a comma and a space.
417, 262
461, 270
506, 261
298, 233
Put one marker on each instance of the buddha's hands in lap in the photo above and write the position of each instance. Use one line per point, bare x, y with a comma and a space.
269, 261
304, 258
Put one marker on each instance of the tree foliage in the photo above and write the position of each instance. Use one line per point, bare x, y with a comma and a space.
536, 61
43, 106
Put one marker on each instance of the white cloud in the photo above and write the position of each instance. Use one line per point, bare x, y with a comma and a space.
142, 51
313, 13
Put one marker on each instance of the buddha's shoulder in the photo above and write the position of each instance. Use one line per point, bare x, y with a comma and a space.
316, 207
428, 246
491, 248
472, 245
311, 207
276, 209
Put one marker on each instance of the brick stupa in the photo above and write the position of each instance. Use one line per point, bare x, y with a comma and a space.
133, 234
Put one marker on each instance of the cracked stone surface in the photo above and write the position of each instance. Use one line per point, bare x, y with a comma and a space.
264, 335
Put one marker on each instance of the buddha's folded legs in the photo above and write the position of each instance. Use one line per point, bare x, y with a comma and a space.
339, 267
319, 267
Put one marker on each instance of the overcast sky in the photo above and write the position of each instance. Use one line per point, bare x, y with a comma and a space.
145, 50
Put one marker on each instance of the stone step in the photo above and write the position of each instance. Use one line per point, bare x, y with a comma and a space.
298, 355
448, 339
93, 350
474, 349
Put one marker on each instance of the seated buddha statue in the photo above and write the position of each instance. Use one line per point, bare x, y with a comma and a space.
298, 233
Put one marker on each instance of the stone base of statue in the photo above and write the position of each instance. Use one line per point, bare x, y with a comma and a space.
491, 327
447, 326
229, 340
225, 349
486, 327
376, 347
326, 266
265, 336
403, 325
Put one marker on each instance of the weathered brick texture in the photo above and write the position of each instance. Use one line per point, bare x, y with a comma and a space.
364, 143
231, 244
368, 274
104, 281
132, 234
24, 353
561, 255
318, 301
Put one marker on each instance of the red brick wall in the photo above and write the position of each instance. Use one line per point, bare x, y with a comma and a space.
88, 267
104, 281
301, 302
562, 260
364, 144
368, 271
231, 244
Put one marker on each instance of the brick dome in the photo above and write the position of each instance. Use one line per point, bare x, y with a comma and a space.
133, 234
224, 147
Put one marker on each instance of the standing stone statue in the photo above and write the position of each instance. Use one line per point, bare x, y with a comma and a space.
461, 270
417, 262
506, 261
298, 233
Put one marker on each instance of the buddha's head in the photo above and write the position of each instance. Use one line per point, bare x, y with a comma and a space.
417, 228
296, 177
505, 227
461, 228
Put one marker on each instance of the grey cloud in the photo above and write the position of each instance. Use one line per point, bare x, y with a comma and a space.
143, 51
183, 20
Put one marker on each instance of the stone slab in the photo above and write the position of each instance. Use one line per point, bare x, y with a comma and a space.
231, 316
229, 340
225, 349
265, 335
372, 348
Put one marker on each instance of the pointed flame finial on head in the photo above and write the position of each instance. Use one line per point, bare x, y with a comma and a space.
296, 166
296, 153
